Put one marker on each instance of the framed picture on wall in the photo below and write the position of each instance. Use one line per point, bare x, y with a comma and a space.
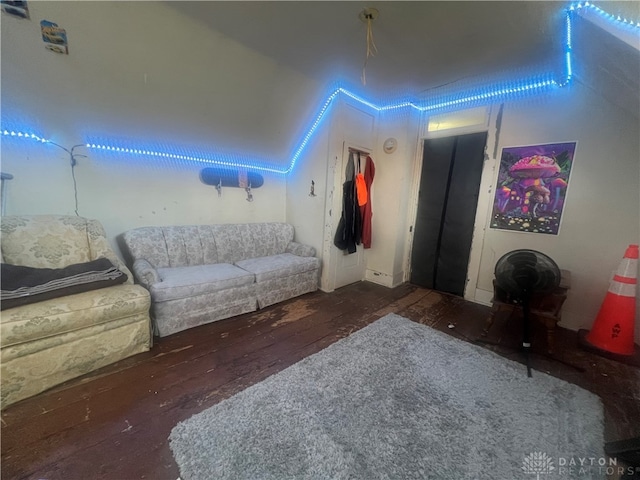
531, 187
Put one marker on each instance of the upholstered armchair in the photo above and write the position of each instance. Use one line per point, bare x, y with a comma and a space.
69, 305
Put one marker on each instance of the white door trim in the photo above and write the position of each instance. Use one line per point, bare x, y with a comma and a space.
473, 268
339, 142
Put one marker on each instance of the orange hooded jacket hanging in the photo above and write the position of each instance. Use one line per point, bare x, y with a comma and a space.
361, 190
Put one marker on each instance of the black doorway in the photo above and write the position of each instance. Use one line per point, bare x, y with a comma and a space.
447, 202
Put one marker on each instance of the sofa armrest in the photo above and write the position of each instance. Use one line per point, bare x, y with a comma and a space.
99, 247
145, 273
300, 249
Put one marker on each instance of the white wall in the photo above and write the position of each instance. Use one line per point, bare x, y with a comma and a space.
144, 73
601, 212
305, 212
315, 218
391, 195
600, 217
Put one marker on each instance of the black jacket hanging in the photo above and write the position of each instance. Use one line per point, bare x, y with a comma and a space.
349, 229
357, 214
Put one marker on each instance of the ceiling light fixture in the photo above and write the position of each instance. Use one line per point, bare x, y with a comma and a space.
368, 15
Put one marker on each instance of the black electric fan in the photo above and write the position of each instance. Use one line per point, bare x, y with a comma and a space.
521, 274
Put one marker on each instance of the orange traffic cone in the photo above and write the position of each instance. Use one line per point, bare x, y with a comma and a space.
613, 328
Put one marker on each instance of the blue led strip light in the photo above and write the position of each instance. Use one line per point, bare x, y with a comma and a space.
489, 94
24, 135
495, 93
568, 47
614, 19
492, 93
248, 164
307, 137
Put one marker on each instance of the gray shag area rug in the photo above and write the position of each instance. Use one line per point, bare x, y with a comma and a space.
396, 400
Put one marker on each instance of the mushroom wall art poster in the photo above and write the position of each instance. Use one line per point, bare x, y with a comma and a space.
531, 187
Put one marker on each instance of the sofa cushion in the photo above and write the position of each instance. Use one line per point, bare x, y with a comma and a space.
188, 245
45, 241
182, 282
275, 266
50, 318
236, 242
55, 241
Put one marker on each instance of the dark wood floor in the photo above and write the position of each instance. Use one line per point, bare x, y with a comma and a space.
114, 424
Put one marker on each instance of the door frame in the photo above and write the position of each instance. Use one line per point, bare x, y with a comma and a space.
340, 138
484, 203
360, 252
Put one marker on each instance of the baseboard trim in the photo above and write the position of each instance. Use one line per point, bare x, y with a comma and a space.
398, 278
380, 278
483, 297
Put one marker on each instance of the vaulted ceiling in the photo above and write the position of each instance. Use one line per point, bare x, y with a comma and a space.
421, 45
608, 66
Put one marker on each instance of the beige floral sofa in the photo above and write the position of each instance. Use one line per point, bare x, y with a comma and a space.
47, 342
198, 274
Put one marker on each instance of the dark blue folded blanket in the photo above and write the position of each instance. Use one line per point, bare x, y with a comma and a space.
23, 285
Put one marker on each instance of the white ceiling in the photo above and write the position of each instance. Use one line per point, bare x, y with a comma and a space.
422, 45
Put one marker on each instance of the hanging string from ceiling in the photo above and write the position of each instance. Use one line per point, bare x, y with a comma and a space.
368, 15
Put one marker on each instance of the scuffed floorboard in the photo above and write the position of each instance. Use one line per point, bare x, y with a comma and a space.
114, 423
